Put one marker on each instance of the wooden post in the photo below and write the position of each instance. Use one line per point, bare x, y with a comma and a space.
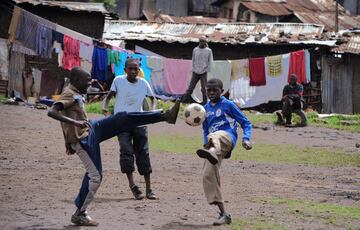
337, 16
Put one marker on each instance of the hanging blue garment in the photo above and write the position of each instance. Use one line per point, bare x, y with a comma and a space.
100, 64
119, 68
44, 41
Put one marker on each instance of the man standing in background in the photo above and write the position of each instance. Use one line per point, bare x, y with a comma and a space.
202, 58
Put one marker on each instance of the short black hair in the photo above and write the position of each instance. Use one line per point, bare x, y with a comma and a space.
131, 60
77, 72
215, 81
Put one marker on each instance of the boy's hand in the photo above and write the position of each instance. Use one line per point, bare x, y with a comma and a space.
105, 112
82, 124
247, 145
69, 150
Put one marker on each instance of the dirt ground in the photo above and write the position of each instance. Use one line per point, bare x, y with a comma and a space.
38, 181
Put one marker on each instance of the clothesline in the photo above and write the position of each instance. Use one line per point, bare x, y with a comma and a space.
167, 76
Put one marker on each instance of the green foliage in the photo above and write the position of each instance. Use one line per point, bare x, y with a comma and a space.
96, 107
266, 153
2, 98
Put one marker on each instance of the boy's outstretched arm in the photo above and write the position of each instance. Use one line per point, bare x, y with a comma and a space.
245, 125
54, 112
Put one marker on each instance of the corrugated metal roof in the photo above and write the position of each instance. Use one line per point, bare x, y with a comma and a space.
328, 20
73, 6
352, 45
267, 8
156, 17
231, 33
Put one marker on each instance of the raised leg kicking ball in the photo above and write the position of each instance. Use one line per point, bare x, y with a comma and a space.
194, 114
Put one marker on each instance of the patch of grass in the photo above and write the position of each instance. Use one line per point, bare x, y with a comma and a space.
96, 107
333, 122
336, 122
265, 153
255, 224
330, 213
257, 119
2, 98
357, 183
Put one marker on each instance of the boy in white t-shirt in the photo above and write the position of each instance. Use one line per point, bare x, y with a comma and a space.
130, 91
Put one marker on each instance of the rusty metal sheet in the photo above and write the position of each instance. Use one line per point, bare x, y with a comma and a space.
328, 20
231, 33
156, 17
273, 9
352, 46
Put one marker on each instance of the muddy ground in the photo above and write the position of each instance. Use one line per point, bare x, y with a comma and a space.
38, 181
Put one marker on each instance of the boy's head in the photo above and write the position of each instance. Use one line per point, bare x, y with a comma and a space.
214, 88
293, 79
80, 79
202, 42
131, 68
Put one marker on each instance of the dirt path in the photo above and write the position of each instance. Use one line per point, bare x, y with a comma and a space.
38, 181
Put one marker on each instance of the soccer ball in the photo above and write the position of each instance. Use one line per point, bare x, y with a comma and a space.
194, 114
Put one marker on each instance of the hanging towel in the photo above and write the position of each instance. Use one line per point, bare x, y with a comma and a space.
240, 90
257, 71
277, 68
222, 71
297, 66
308, 68
100, 64
71, 53
177, 74
114, 57
156, 65
86, 51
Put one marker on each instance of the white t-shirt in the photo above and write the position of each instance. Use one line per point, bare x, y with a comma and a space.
130, 96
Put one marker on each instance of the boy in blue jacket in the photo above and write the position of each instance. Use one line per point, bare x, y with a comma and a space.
220, 136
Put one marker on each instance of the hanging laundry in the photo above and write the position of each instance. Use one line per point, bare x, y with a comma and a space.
44, 41
143, 64
156, 65
240, 69
86, 65
119, 68
297, 66
307, 66
257, 71
86, 51
277, 68
58, 47
71, 53
222, 71
114, 57
240, 90
26, 30
100, 64
177, 74
14, 23
57, 37
276, 73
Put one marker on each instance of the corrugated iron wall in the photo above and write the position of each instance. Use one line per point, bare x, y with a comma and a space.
336, 84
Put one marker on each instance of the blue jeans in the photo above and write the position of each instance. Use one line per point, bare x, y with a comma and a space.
102, 130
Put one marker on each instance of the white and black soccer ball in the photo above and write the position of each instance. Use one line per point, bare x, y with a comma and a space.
194, 114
